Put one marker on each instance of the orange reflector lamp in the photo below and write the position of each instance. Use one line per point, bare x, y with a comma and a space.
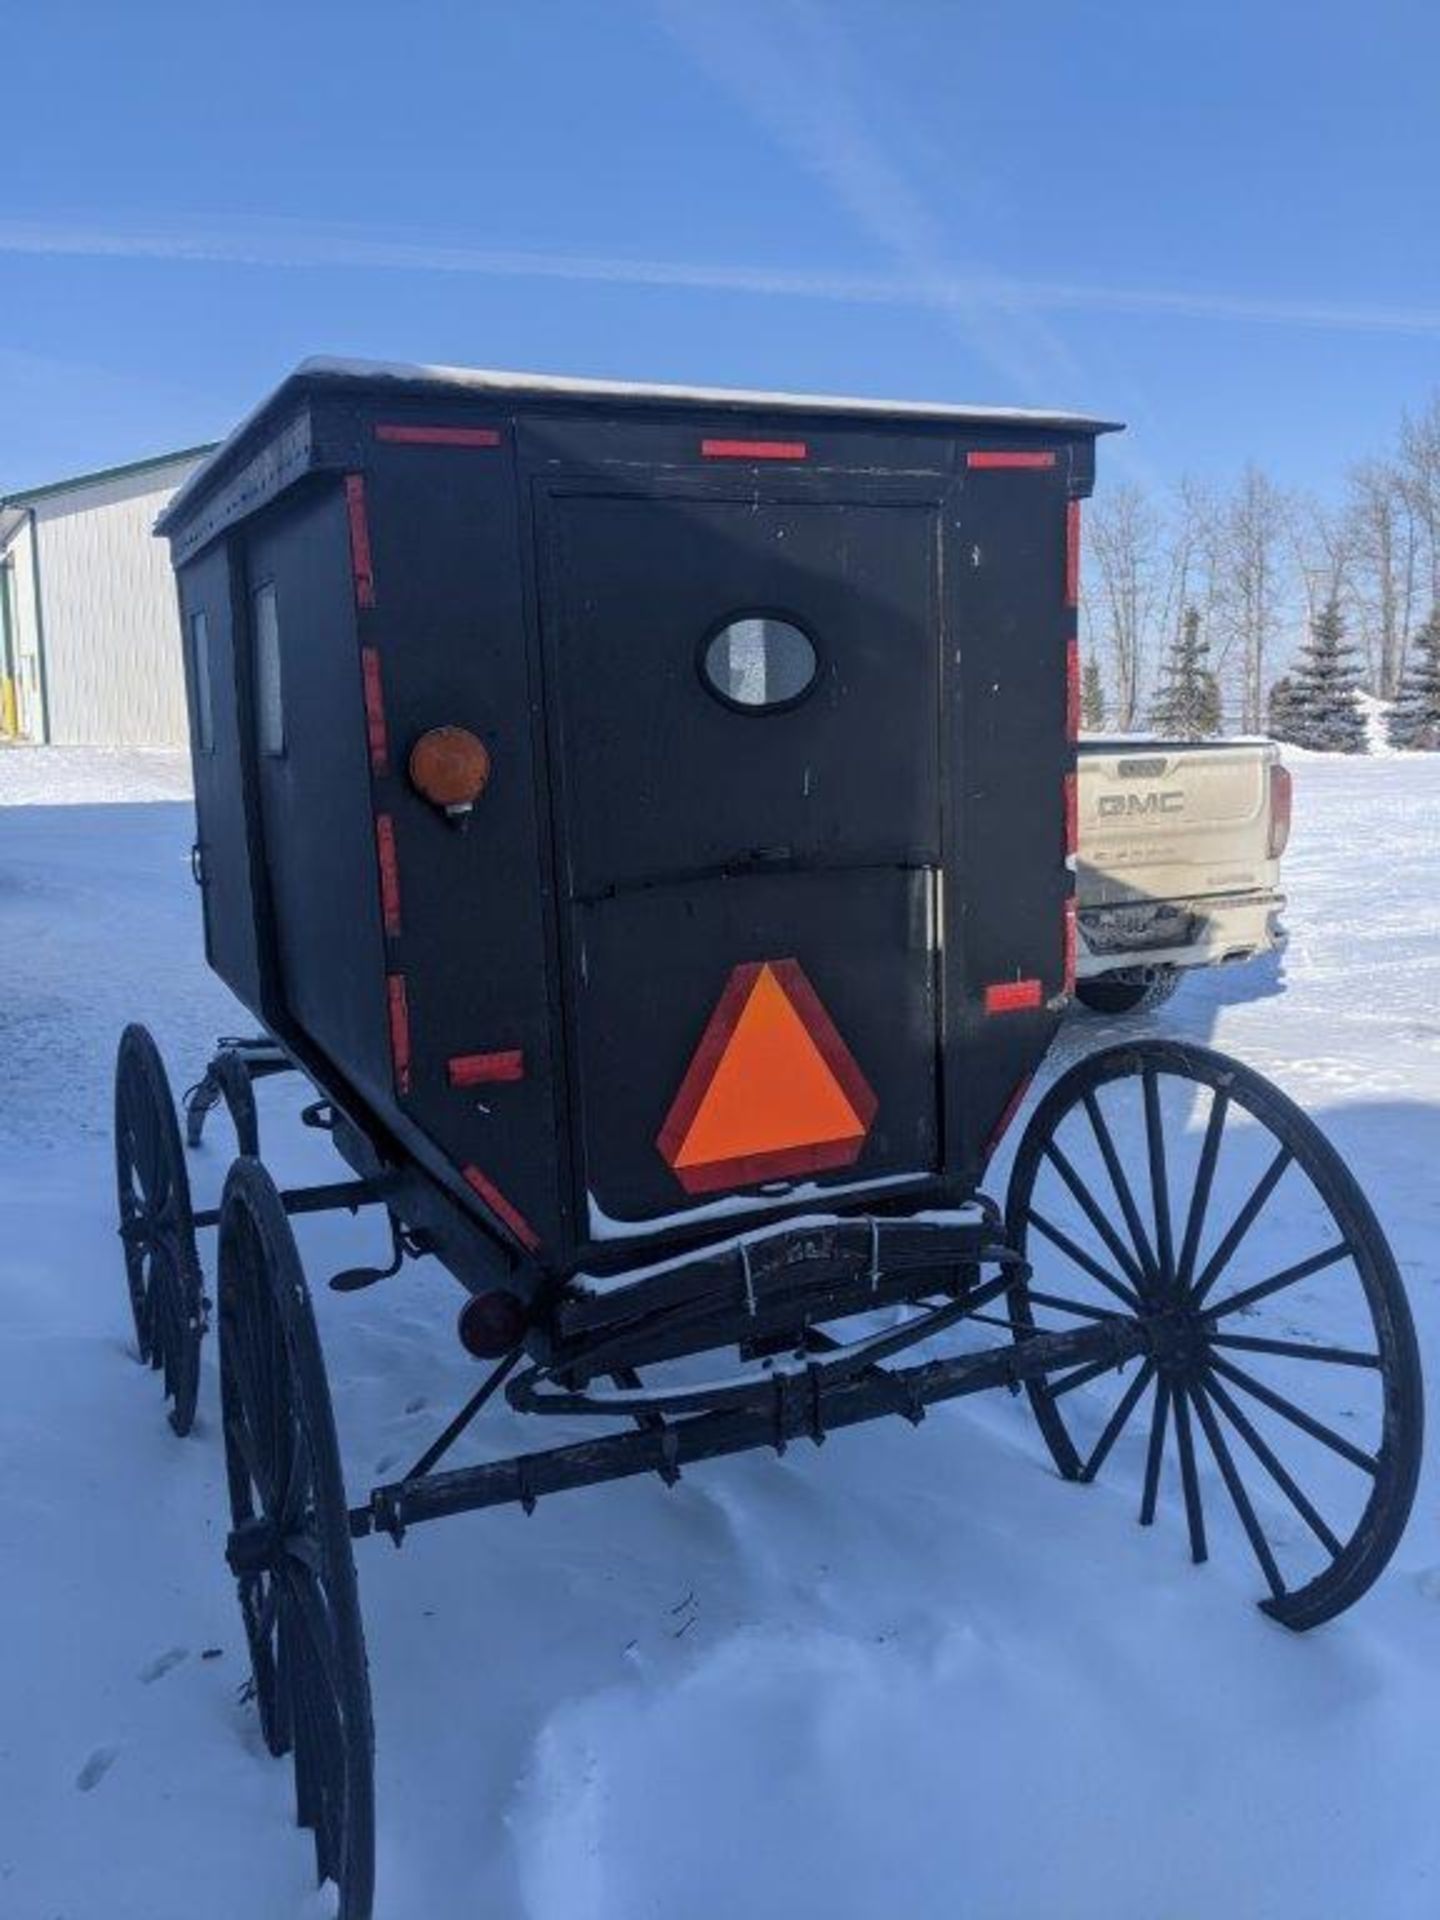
772, 1092
451, 768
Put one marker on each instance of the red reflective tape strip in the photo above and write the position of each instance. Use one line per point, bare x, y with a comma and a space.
1013, 996
1070, 944
502, 1208
405, 436
1072, 816
361, 565
375, 712
754, 449
1012, 1107
482, 1069
389, 873
1072, 688
1008, 459
1072, 553
399, 1030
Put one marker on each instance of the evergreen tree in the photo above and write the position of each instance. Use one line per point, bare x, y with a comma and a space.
1280, 710
1315, 705
1092, 698
1414, 720
1187, 706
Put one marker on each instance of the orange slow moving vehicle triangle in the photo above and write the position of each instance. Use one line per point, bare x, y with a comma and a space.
772, 1091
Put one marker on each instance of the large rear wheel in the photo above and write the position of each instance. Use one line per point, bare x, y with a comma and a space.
1171, 1186
290, 1541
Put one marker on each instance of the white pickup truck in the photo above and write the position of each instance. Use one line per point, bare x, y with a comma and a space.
1178, 864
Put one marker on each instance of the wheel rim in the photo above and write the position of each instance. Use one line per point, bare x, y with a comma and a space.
297, 1587
157, 1233
1278, 1389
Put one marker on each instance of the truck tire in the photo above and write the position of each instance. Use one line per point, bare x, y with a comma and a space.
1138, 990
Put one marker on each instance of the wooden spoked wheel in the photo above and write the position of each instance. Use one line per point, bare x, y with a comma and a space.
290, 1544
1171, 1186
157, 1229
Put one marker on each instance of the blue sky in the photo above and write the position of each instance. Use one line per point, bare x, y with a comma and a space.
1216, 223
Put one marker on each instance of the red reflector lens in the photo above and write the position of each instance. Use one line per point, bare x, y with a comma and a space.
485, 1069
1282, 800
1070, 942
1009, 459
1072, 816
754, 449
1013, 996
1072, 554
407, 436
490, 1324
1072, 688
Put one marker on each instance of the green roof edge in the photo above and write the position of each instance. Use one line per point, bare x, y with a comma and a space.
29, 495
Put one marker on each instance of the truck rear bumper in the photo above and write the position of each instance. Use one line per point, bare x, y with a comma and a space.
1216, 930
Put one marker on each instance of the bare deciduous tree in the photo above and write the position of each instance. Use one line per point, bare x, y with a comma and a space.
1251, 587
1125, 549
1384, 579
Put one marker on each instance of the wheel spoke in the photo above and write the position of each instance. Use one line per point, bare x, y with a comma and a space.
1156, 1451
1061, 1305
1204, 1180
238, 1428
1230, 1473
1189, 1479
1263, 1453
1123, 1194
1115, 1426
1242, 1224
1083, 1260
1088, 1204
1302, 1270
1081, 1377
1287, 1410
1159, 1177
1297, 1350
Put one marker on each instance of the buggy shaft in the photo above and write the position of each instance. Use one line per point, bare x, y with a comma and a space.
790, 1407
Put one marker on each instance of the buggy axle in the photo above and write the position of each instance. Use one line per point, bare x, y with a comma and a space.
787, 1407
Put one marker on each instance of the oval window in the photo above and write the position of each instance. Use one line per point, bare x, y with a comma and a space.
760, 661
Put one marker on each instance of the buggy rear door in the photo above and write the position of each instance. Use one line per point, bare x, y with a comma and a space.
750, 832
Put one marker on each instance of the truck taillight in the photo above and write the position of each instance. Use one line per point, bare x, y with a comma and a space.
1281, 805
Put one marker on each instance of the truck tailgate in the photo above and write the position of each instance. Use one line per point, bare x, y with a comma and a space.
1166, 821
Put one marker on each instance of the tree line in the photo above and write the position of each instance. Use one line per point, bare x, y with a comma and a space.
1253, 608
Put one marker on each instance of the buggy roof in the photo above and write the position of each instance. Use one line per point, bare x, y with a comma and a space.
324, 375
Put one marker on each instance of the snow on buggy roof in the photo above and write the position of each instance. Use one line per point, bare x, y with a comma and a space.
322, 373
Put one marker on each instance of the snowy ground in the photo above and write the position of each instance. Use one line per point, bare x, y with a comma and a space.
911, 1673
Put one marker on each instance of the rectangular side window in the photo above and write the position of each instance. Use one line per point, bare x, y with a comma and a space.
200, 658
268, 702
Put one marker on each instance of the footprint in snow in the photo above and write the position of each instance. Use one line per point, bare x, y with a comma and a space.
96, 1768
157, 1668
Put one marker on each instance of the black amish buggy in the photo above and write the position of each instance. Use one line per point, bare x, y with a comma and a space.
646, 816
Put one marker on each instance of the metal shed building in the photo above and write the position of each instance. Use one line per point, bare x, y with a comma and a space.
89, 634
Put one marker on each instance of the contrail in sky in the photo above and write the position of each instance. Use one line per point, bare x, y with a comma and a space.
279, 245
